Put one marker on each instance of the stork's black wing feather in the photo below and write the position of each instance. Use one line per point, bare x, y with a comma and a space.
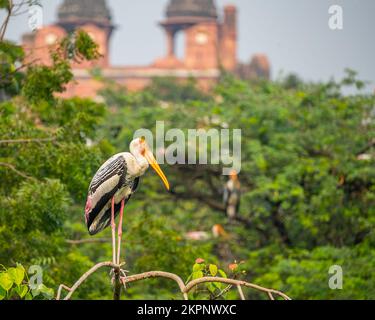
113, 167
106, 182
135, 185
107, 214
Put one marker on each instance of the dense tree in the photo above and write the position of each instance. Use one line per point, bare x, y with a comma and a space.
306, 184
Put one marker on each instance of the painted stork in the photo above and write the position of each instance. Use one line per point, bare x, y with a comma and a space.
113, 185
232, 195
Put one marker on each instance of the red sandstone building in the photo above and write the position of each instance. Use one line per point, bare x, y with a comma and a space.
210, 45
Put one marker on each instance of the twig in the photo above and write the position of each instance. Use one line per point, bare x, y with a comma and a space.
86, 275
270, 296
13, 168
6, 21
9, 141
62, 286
7, 78
222, 292
196, 282
82, 241
239, 288
160, 274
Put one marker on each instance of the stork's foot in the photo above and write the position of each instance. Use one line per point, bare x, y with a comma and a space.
112, 272
123, 277
123, 272
123, 281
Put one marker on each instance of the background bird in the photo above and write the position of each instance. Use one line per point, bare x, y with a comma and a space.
113, 185
232, 195
217, 231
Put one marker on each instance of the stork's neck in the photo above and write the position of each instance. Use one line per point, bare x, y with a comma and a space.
137, 165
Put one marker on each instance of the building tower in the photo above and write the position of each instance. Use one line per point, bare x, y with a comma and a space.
207, 41
228, 39
94, 17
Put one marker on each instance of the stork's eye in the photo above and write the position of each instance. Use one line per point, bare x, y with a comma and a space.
142, 149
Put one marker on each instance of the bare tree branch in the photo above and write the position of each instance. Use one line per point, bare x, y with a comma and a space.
160, 274
84, 278
239, 288
184, 289
62, 286
8, 77
89, 240
224, 291
4, 26
370, 145
14, 169
36, 140
196, 282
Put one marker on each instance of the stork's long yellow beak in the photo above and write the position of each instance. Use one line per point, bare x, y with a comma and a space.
151, 160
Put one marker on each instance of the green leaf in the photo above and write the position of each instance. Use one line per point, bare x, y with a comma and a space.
218, 285
4, 4
5, 281
197, 275
3, 293
197, 267
28, 296
48, 293
213, 270
188, 279
223, 274
22, 290
12, 293
17, 274
210, 287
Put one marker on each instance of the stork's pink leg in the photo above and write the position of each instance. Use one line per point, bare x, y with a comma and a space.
119, 231
113, 226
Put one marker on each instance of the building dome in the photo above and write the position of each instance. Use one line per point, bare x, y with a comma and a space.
191, 8
84, 11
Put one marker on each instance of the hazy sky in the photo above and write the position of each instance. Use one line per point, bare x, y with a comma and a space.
293, 33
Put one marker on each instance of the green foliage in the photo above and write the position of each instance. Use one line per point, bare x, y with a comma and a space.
173, 90
84, 47
308, 193
43, 82
10, 77
304, 274
211, 290
46, 176
15, 285
4, 4
305, 187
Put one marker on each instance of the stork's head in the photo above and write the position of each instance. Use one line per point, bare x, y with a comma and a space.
140, 149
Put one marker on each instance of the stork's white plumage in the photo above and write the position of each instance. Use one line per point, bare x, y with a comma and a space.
113, 185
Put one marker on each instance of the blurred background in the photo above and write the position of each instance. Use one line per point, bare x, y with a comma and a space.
293, 34
79, 77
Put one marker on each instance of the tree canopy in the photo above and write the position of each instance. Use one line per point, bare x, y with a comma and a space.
308, 193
